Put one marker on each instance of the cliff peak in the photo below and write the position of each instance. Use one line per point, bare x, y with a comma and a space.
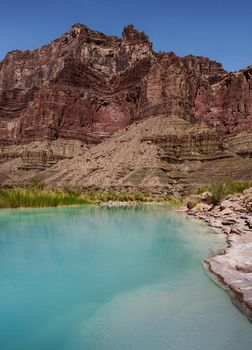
131, 34
79, 28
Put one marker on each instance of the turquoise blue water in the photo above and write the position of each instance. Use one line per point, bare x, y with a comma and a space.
111, 278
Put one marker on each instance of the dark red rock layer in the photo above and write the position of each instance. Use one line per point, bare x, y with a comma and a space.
86, 86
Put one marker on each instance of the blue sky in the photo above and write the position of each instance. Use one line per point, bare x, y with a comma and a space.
221, 30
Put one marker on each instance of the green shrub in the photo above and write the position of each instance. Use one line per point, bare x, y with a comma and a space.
173, 201
111, 195
36, 183
75, 191
220, 191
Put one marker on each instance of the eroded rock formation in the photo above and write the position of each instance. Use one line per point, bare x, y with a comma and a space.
83, 86
86, 86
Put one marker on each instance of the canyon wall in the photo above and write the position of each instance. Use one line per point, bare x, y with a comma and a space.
85, 86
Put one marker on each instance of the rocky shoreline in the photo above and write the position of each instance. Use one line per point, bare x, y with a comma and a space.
111, 204
232, 268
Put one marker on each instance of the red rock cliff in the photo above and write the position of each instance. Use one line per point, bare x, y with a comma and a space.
86, 86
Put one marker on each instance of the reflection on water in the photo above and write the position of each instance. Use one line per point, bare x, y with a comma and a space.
111, 278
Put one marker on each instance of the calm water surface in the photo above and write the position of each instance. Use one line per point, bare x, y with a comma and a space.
111, 278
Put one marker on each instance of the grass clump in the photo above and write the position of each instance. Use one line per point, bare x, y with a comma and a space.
220, 191
36, 183
173, 201
38, 197
111, 195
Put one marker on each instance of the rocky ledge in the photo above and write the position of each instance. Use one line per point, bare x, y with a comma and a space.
232, 268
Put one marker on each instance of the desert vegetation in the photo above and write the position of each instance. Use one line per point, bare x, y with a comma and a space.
220, 191
38, 196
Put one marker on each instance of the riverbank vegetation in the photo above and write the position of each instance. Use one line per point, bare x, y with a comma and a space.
37, 197
220, 191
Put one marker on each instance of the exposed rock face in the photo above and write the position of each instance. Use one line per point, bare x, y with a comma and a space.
199, 90
86, 86
81, 86
157, 155
233, 268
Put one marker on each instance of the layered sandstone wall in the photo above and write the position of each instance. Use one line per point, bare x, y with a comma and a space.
86, 85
